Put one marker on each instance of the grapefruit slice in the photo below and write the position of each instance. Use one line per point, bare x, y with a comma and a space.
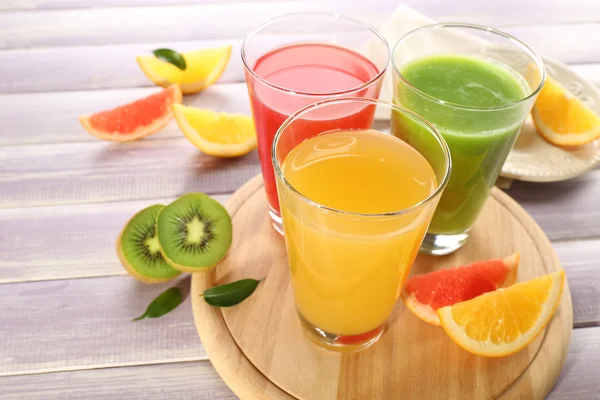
204, 67
502, 322
135, 120
424, 294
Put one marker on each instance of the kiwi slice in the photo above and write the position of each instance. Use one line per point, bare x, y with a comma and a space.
139, 250
194, 232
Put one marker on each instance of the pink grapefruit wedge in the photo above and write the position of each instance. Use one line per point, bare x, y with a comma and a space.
134, 120
424, 294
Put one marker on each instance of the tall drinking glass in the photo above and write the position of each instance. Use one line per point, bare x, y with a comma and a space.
355, 203
476, 85
297, 59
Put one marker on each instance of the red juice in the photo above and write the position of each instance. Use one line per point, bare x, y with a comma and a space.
301, 74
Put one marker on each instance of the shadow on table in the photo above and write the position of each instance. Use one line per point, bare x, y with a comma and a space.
550, 192
215, 175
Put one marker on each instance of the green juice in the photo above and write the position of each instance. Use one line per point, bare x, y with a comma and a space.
478, 118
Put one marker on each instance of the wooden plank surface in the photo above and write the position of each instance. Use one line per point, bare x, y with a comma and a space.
38, 5
94, 67
63, 195
484, 12
47, 174
79, 241
189, 380
564, 210
103, 171
198, 380
151, 24
579, 377
580, 261
51, 117
65, 242
114, 66
87, 323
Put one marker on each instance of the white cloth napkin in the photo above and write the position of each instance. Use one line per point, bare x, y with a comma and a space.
402, 21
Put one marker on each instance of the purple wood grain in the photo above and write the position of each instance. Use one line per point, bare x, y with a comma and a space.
72, 22
77, 241
118, 25
65, 242
66, 319
112, 66
580, 261
103, 171
530, 12
51, 117
36, 118
95, 67
87, 323
565, 210
97, 172
198, 380
177, 381
579, 377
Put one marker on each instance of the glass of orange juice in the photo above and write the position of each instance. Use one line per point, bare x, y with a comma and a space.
356, 201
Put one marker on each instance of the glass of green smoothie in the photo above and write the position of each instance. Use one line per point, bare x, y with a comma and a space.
477, 86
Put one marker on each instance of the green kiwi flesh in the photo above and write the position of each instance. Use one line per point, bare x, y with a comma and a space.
139, 249
194, 232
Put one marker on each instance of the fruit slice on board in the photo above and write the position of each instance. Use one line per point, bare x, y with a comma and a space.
502, 322
134, 120
562, 119
217, 134
194, 232
204, 67
424, 294
139, 250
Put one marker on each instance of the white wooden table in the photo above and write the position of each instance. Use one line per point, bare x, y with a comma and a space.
66, 304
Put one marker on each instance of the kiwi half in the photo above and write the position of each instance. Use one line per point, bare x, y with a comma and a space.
139, 250
194, 232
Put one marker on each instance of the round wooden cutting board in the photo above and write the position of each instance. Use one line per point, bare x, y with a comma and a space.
260, 351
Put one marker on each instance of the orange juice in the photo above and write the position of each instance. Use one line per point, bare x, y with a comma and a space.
348, 267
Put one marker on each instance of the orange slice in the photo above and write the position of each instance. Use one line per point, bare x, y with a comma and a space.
134, 120
563, 119
204, 67
424, 294
502, 322
217, 134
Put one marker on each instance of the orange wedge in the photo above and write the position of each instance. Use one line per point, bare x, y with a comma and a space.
562, 119
204, 67
504, 321
217, 134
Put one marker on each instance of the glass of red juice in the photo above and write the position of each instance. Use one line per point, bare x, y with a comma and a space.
298, 59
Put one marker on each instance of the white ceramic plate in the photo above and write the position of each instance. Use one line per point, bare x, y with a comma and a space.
535, 160
532, 158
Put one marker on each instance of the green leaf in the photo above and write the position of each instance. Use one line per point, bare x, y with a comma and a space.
230, 294
171, 57
166, 302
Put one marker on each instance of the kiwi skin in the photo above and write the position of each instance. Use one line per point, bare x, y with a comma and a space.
129, 268
226, 241
184, 268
